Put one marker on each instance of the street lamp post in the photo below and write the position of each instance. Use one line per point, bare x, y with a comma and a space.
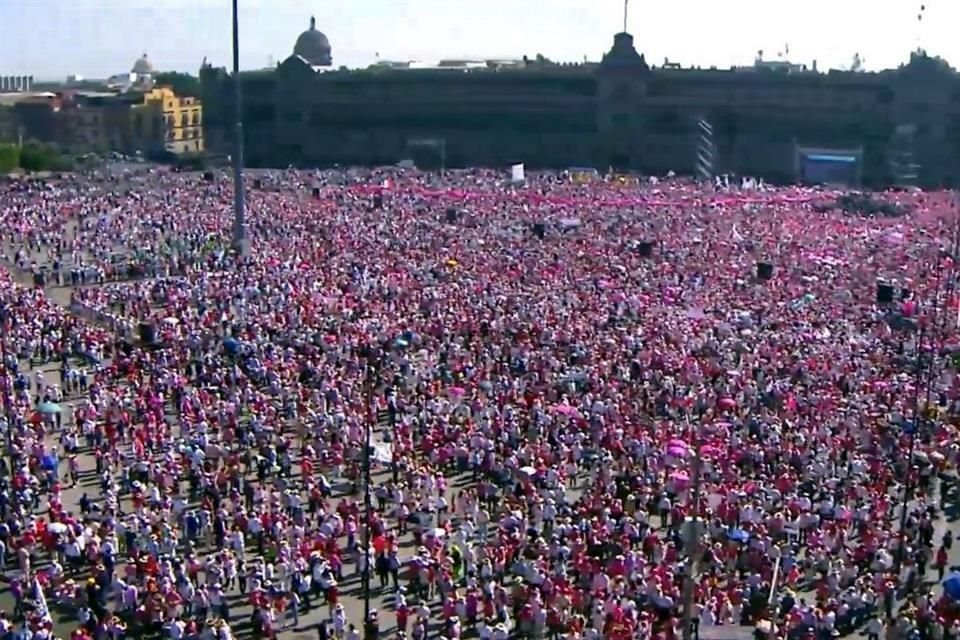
7, 393
922, 369
915, 426
693, 553
373, 371
394, 454
240, 242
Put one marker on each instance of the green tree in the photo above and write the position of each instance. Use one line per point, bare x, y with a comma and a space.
35, 156
9, 157
183, 84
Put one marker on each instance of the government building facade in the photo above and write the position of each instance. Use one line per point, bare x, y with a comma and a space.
776, 120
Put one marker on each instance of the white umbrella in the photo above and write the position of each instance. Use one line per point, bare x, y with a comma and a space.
57, 528
171, 321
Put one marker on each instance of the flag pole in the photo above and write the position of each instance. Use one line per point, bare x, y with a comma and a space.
625, 3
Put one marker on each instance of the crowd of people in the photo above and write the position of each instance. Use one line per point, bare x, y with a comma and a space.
581, 401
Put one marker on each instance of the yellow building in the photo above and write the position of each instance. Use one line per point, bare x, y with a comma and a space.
153, 121
165, 118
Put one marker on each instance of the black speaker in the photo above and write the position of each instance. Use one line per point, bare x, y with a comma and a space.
378, 201
316, 192
539, 229
884, 293
124, 347
40, 279
645, 249
764, 270
451, 215
258, 184
208, 176
147, 332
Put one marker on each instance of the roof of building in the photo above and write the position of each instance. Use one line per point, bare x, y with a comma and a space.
142, 66
313, 46
9, 99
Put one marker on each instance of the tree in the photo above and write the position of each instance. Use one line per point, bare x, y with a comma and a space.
9, 157
183, 84
36, 156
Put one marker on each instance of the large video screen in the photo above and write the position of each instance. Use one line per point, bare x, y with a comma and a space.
821, 168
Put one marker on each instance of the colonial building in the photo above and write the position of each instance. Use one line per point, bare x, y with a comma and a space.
16, 84
776, 120
171, 121
156, 122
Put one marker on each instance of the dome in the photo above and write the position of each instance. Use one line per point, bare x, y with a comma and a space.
313, 46
142, 66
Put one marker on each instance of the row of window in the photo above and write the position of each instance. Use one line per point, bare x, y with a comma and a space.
184, 134
678, 122
514, 86
461, 121
186, 119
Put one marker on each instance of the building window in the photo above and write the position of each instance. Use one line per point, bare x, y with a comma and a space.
670, 122
621, 91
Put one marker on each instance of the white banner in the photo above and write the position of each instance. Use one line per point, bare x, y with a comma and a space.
516, 173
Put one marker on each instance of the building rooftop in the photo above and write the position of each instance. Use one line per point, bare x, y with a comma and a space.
9, 99
313, 46
142, 66
450, 64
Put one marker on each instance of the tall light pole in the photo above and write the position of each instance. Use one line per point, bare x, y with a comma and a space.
240, 243
367, 502
908, 480
373, 363
693, 550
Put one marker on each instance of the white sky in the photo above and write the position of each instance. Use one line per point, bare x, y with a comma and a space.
95, 38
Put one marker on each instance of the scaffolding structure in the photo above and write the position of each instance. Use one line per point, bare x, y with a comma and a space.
706, 150
903, 166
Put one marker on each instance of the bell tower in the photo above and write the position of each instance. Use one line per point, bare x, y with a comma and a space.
621, 87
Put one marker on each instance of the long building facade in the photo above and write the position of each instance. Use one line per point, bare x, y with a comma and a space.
894, 126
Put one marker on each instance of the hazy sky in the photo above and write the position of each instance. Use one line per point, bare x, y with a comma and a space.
95, 38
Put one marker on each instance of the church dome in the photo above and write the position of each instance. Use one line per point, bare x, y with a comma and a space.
313, 46
142, 66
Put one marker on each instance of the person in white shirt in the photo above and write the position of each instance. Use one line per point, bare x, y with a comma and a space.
875, 628
339, 622
293, 610
175, 629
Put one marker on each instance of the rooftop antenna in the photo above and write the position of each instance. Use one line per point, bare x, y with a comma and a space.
625, 5
857, 64
920, 14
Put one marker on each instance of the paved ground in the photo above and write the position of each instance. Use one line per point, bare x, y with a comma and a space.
350, 588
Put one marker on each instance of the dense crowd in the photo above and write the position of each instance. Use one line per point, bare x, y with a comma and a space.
565, 379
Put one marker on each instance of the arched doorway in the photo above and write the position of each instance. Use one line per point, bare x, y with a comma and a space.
428, 154
619, 161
